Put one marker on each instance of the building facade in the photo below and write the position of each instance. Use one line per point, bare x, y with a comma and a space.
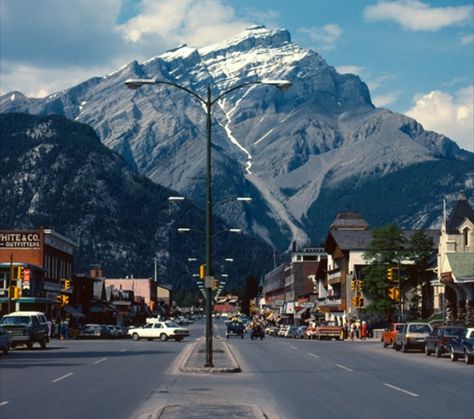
454, 288
34, 265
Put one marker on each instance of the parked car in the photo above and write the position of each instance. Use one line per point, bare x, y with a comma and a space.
159, 330
290, 332
271, 330
5, 341
234, 328
412, 336
463, 347
92, 330
389, 335
438, 340
26, 328
299, 334
283, 330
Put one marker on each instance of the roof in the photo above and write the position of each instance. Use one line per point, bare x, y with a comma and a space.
350, 239
462, 265
459, 213
349, 220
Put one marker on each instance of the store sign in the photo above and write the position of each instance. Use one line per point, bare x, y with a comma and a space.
19, 240
279, 302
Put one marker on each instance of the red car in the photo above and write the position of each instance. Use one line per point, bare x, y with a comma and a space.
389, 335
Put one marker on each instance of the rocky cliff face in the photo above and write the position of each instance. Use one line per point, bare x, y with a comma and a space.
56, 173
282, 147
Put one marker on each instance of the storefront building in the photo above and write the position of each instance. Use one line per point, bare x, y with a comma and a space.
34, 265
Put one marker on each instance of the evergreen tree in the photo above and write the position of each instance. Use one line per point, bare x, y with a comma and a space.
385, 250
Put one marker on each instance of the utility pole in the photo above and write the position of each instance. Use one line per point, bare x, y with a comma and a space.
10, 284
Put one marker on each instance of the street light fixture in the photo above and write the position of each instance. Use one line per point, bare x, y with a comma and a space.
183, 229
244, 198
176, 198
208, 102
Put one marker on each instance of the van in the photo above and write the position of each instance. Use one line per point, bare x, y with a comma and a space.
26, 328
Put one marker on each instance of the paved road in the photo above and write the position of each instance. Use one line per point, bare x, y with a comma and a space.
83, 379
285, 378
334, 379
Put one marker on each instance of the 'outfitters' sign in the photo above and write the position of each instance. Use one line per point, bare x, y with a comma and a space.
19, 240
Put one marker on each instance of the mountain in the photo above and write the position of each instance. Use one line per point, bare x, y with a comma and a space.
291, 150
56, 173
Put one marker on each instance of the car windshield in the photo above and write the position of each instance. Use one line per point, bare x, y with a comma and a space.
171, 324
420, 328
453, 331
16, 320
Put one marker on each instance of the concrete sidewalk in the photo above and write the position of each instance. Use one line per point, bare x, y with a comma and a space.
195, 358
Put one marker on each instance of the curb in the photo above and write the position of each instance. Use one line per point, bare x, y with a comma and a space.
232, 368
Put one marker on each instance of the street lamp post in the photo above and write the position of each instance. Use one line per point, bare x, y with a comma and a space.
208, 102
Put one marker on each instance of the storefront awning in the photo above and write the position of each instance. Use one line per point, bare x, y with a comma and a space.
74, 312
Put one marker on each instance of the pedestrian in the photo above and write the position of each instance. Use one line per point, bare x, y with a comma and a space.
363, 330
352, 332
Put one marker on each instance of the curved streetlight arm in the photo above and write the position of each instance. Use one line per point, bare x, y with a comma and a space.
137, 83
276, 83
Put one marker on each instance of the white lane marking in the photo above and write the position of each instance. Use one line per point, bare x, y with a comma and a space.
4, 403
123, 350
313, 355
293, 347
344, 368
401, 389
99, 361
62, 378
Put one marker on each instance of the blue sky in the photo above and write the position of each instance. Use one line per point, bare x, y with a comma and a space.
417, 56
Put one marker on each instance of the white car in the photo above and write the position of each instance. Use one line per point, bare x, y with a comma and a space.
159, 330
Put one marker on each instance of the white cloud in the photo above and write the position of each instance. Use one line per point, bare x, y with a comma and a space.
196, 22
349, 69
415, 15
451, 115
325, 37
384, 100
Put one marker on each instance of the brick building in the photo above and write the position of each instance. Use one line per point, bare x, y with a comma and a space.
32, 265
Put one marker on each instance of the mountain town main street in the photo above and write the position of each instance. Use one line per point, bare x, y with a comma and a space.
284, 378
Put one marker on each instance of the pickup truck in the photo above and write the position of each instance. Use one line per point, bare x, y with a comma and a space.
389, 335
328, 330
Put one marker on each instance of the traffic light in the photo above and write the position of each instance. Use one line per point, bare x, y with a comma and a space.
18, 272
67, 284
391, 274
59, 299
15, 292
355, 301
202, 271
394, 293
65, 299
353, 285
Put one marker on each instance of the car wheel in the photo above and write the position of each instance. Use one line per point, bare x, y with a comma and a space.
135, 337
29, 345
468, 359
404, 348
454, 357
438, 351
427, 351
43, 344
163, 337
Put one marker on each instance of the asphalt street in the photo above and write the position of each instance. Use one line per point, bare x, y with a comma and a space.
281, 378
